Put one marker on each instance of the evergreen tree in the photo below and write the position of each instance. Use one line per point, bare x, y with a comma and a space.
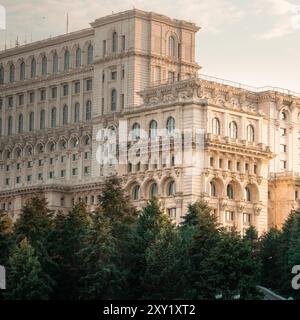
25, 277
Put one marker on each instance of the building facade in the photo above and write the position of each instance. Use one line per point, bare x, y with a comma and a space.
62, 99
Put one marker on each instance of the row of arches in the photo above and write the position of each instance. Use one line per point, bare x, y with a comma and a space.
233, 130
29, 69
51, 145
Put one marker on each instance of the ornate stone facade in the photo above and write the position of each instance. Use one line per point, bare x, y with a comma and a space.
138, 68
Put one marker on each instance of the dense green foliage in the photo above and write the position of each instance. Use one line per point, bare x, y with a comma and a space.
116, 252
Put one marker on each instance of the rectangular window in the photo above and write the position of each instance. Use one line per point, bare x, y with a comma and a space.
43, 94
282, 132
63, 159
7, 167
65, 90
18, 166
172, 213
171, 76
229, 216
29, 164
104, 47
114, 75
7, 181
74, 171
246, 167
29, 178
123, 74
77, 87
41, 162
87, 156
255, 169
282, 148
89, 84
87, 170
220, 163
31, 97
247, 218
122, 101
18, 179
282, 165
238, 166
62, 201
51, 174
123, 43
75, 156
296, 195
63, 173
229, 165
157, 74
40, 176
10, 101
51, 160
211, 162
54, 93
21, 99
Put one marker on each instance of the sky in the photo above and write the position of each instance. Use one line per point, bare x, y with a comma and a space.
254, 42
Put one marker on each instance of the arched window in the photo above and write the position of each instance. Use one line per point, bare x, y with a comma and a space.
250, 133
171, 189
90, 54
55, 63
20, 123
233, 130
283, 115
9, 125
67, 60
115, 42
1, 74
153, 129
42, 119
153, 190
136, 193
33, 68
113, 103
78, 58
216, 126
88, 110
76, 112
171, 46
170, 125
136, 131
12, 73
65, 114
44, 66
213, 189
22, 71
247, 194
31, 121
230, 191
53, 117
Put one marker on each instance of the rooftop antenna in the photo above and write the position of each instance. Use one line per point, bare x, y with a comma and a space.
17, 41
67, 26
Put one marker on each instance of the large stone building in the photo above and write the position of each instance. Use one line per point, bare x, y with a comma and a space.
137, 70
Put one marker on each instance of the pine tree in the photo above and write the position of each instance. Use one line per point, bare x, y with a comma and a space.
25, 277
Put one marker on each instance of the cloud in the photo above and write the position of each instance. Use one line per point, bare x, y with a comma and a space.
274, 7
280, 29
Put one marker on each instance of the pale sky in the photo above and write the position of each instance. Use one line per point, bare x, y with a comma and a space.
253, 42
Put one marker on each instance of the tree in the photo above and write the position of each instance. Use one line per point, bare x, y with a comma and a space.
25, 277
5, 237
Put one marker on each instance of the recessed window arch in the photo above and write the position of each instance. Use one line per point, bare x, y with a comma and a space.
136, 193
44, 66
230, 193
171, 188
153, 129
248, 196
153, 190
250, 133
90, 55
20, 123
78, 58
136, 131
113, 103
53, 117
171, 46
31, 121
233, 130
22, 71
76, 112
55, 62
1, 74
65, 114
88, 110
216, 126
9, 125
213, 189
33, 68
12, 73
170, 125
114, 42
42, 119
66, 60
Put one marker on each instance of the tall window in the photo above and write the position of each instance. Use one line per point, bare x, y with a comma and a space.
78, 58
153, 129
31, 121
250, 133
22, 71
76, 112
153, 190
53, 117
233, 130
12, 73
213, 189
33, 68
55, 63
216, 126
113, 105
67, 60
171, 189
88, 110
230, 191
170, 125
90, 54
136, 193
20, 123
247, 194
136, 131
44, 65
65, 114
1, 74
42, 119
115, 42
9, 125
171, 46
